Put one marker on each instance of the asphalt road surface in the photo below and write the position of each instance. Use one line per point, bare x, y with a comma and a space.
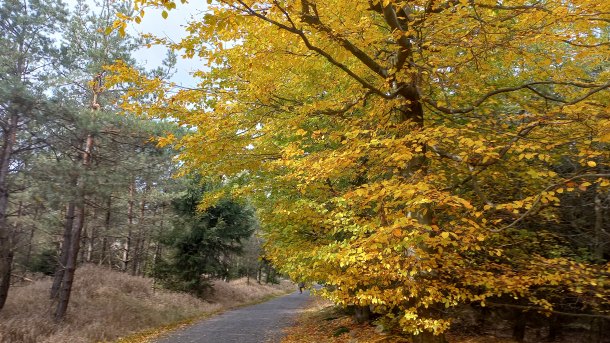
259, 323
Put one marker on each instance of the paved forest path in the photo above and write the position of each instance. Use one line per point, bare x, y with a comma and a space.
252, 324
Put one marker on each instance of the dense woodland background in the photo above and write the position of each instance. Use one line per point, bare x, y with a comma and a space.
82, 182
436, 165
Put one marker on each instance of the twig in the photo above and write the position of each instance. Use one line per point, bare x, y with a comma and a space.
22, 277
541, 309
539, 197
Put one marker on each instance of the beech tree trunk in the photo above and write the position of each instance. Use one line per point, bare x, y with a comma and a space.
519, 326
555, 326
599, 239
428, 337
596, 333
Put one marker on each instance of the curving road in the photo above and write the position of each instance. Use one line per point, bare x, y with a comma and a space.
259, 323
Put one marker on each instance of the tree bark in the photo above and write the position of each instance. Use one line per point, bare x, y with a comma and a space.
139, 241
6, 244
596, 334
428, 337
63, 256
107, 219
128, 239
519, 326
362, 314
85, 238
92, 237
68, 276
599, 239
28, 256
555, 326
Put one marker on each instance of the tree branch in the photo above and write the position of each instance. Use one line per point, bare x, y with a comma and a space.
539, 197
527, 86
314, 20
293, 29
541, 309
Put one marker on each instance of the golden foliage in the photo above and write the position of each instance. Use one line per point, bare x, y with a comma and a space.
400, 149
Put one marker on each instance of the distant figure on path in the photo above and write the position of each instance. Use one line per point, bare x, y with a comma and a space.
301, 287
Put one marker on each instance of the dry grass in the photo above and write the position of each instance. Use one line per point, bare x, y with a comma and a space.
106, 305
238, 292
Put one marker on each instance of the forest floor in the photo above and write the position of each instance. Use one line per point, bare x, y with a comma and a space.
106, 305
322, 322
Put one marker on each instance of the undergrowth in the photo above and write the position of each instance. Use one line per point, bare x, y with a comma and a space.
106, 305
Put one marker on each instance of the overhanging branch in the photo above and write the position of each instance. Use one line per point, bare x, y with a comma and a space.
528, 86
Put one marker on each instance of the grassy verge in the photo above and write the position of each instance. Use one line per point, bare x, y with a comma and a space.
107, 305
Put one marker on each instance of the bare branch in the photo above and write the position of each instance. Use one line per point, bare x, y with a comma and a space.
541, 309
539, 197
527, 86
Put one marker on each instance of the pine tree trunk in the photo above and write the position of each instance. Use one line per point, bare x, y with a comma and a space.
5, 276
68, 275
104, 247
63, 256
144, 236
135, 255
157, 252
128, 239
28, 256
268, 276
73, 248
88, 256
6, 245
259, 273
138, 254
148, 245
85, 237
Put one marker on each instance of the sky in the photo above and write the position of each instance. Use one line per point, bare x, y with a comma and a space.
173, 28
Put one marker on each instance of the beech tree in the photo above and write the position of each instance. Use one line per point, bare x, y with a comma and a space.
399, 150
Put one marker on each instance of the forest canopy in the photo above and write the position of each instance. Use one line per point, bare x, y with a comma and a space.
414, 156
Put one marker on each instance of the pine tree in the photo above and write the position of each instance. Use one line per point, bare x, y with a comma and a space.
27, 57
204, 241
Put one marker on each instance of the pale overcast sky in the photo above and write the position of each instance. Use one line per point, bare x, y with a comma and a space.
171, 27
